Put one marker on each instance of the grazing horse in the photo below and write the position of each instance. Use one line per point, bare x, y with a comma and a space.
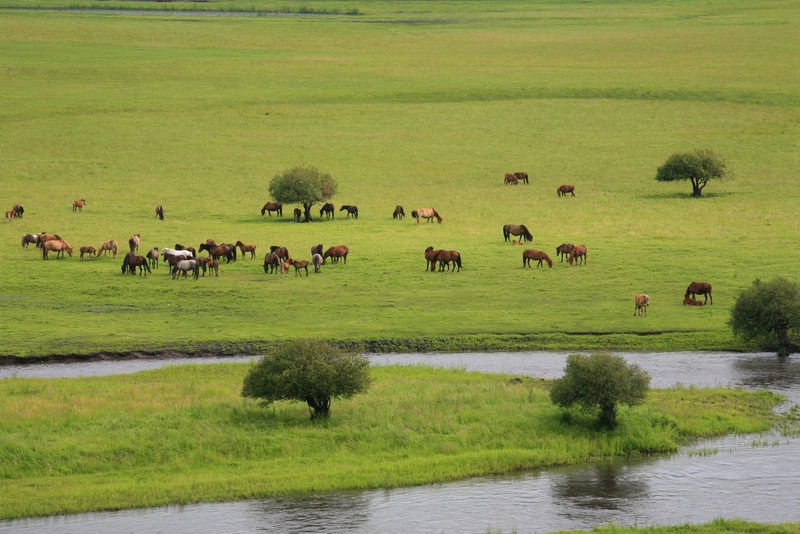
328, 210
269, 207
429, 255
19, 210
536, 255
642, 302
700, 288
316, 260
271, 263
340, 251
399, 212
11, 214
300, 264
522, 176
185, 266
564, 189
78, 205
298, 214
133, 243
351, 210
247, 248
160, 212
132, 261
444, 257
578, 252
91, 251
58, 245
27, 239
564, 250
316, 249
282, 252
517, 229
218, 251
152, 257
510, 179
109, 246
426, 213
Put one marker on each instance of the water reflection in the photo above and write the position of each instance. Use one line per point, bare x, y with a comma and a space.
607, 485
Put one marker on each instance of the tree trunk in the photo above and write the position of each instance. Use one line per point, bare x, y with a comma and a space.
307, 212
319, 408
697, 189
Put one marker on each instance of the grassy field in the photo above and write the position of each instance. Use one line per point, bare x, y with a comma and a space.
184, 434
419, 104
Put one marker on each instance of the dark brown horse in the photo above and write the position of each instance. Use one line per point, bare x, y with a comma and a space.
247, 248
351, 210
316, 249
699, 288
269, 207
271, 262
328, 210
160, 212
339, 251
91, 251
19, 210
564, 250
78, 205
510, 179
429, 255
399, 212
444, 257
218, 251
298, 214
282, 252
535, 255
132, 261
522, 176
564, 189
579, 253
518, 230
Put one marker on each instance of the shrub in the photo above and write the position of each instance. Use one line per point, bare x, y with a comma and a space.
768, 314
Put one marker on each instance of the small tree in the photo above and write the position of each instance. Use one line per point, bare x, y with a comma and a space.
303, 185
600, 381
698, 166
309, 371
768, 313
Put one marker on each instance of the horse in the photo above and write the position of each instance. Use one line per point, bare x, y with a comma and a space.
339, 251
247, 248
700, 288
91, 251
160, 212
444, 257
19, 210
133, 243
691, 302
328, 210
78, 205
152, 257
282, 252
271, 262
564, 189
399, 212
132, 261
578, 252
58, 245
218, 251
185, 266
108, 246
300, 264
316, 260
269, 207
564, 250
285, 266
166, 253
429, 255
44, 238
316, 249
426, 213
351, 210
536, 255
642, 302
27, 239
515, 242
521, 176
510, 179
517, 229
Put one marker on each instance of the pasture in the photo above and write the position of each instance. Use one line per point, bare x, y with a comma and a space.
412, 104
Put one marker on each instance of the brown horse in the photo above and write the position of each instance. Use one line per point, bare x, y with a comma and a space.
298, 214
57, 245
564, 250
271, 263
564, 189
133, 243
510, 179
153, 256
339, 251
213, 266
316, 249
691, 302
426, 213
579, 253
247, 248
282, 252
19, 210
218, 251
351, 210
300, 264
518, 230
285, 266
78, 205
160, 212
642, 302
522, 176
11, 214
399, 212
536, 255
699, 288
109, 246
444, 257
43, 238
133, 261
269, 207
328, 210
91, 251
429, 255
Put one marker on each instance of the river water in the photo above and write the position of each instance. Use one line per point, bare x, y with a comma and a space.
748, 477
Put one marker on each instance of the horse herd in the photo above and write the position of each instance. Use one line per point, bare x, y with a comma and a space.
329, 211
514, 178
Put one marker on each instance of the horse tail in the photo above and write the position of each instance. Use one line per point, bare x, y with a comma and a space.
505, 233
458, 260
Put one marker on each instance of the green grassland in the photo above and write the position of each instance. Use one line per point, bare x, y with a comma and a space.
419, 104
183, 434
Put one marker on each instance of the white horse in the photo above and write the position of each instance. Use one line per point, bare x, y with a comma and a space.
178, 253
185, 266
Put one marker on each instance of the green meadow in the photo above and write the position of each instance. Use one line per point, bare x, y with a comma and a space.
412, 103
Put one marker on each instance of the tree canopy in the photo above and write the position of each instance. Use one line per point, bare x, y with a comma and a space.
698, 166
303, 185
308, 371
600, 381
768, 314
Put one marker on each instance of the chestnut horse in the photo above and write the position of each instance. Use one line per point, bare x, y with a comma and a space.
699, 288
78, 205
579, 253
160, 212
133, 243
300, 264
218, 251
282, 252
517, 229
444, 257
564, 189
328, 210
510, 179
564, 250
536, 255
339, 251
691, 302
642, 302
522, 176
426, 213
213, 265
269, 207
429, 255
57, 245
399, 212
247, 248
351, 210
91, 251
11, 214
271, 262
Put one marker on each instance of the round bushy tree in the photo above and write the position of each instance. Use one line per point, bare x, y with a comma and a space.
308, 371
698, 166
768, 314
600, 382
303, 185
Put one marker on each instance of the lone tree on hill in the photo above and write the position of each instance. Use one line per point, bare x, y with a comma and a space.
303, 185
768, 313
308, 371
698, 166
600, 381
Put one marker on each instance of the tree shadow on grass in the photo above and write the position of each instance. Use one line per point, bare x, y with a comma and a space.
686, 196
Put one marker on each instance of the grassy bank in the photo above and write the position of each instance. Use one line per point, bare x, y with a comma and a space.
718, 526
183, 434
